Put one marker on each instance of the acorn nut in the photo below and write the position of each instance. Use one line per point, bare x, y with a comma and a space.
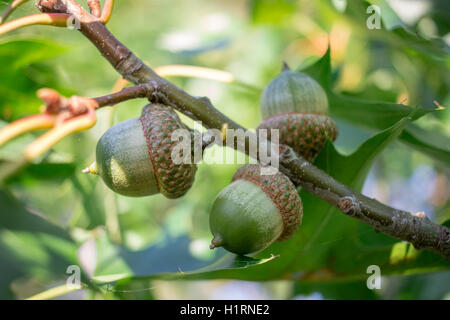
254, 211
297, 105
134, 157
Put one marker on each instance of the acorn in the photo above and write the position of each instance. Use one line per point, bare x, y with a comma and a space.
254, 211
134, 157
297, 105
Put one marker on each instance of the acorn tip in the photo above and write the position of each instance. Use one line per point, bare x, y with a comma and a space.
91, 169
285, 67
216, 242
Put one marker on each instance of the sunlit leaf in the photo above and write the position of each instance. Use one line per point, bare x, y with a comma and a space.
378, 115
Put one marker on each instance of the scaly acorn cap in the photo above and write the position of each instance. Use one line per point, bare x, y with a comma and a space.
283, 193
158, 122
297, 105
134, 157
305, 133
254, 211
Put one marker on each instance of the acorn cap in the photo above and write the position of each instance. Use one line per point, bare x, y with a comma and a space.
305, 133
281, 191
158, 122
293, 92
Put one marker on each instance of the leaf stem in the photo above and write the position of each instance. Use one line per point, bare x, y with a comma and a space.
10, 9
51, 19
54, 292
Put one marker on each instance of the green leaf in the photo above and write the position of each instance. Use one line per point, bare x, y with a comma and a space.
378, 115
320, 70
395, 32
24, 71
30, 246
168, 259
331, 245
45, 171
342, 247
94, 211
432, 286
348, 290
23, 52
130, 289
390, 19
433, 143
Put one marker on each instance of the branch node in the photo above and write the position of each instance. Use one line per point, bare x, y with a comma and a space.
205, 100
349, 205
420, 214
159, 97
51, 6
56, 104
150, 88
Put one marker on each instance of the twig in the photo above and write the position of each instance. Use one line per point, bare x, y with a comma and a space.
10, 9
107, 11
32, 123
94, 6
144, 90
421, 232
50, 138
63, 115
51, 19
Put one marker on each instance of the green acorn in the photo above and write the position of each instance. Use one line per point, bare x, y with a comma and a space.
134, 157
297, 105
254, 211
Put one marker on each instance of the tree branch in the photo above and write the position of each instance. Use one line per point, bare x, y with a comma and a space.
94, 6
144, 90
10, 9
420, 231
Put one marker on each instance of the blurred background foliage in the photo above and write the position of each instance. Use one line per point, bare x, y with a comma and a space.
52, 216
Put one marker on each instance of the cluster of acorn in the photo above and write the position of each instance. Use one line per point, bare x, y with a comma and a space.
134, 159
